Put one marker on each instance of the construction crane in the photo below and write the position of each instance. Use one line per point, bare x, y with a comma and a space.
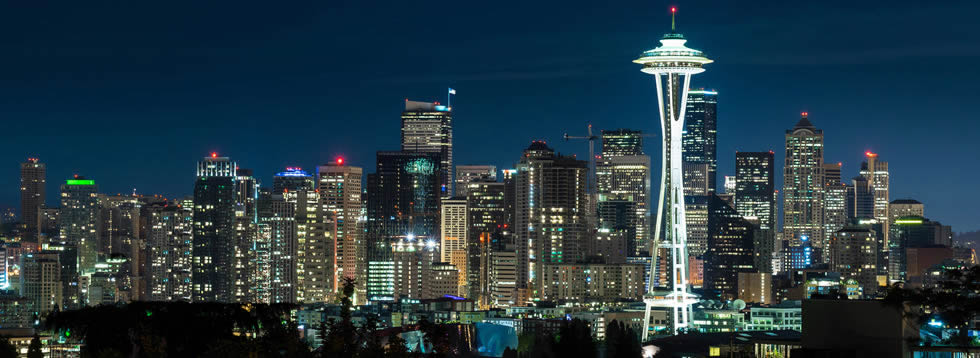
591, 138
593, 156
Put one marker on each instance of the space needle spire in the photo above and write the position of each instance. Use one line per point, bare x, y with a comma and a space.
672, 65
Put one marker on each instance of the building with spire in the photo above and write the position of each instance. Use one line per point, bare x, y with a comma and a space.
672, 65
803, 184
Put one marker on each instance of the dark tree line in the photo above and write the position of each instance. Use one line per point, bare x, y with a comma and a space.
179, 329
954, 302
574, 339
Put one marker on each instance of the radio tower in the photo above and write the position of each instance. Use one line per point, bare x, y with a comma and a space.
672, 66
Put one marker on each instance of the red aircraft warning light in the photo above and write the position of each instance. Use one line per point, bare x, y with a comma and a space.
340, 161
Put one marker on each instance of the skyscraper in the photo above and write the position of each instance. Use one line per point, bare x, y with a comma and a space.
700, 133
623, 174
455, 240
622, 142
245, 263
853, 253
490, 223
731, 249
340, 193
755, 192
292, 179
835, 200
551, 210
860, 199
41, 280
214, 236
876, 172
428, 127
803, 183
33, 179
79, 221
470, 173
169, 230
403, 203
672, 66
279, 212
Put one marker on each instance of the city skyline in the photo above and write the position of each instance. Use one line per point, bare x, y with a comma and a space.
788, 85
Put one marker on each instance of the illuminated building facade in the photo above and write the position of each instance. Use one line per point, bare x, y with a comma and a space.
403, 203
340, 193
428, 127
835, 200
623, 173
169, 236
875, 171
551, 211
489, 224
700, 136
78, 223
853, 253
466, 174
33, 179
803, 183
41, 280
755, 192
245, 261
672, 66
214, 236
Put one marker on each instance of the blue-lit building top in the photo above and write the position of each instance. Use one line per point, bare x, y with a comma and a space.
293, 179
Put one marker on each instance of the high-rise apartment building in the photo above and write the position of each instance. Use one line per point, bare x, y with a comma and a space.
33, 178
755, 192
696, 179
214, 237
428, 127
41, 280
402, 203
803, 183
340, 193
169, 235
701, 132
551, 211
245, 262
279, 212
466, 174
78, 222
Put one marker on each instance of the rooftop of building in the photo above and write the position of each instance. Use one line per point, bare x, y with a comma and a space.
905, 201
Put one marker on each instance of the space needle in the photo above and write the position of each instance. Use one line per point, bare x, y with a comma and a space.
672, 66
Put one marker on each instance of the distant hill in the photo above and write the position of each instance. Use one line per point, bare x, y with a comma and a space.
972, 237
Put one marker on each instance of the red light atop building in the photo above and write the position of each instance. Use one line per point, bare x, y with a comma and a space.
340, 161
869, 154
214, 154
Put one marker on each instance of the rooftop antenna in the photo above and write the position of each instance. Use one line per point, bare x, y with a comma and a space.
673, 14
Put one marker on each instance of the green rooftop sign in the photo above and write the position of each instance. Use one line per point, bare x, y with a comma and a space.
80, 182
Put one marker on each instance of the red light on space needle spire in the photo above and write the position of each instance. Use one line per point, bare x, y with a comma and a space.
673, 9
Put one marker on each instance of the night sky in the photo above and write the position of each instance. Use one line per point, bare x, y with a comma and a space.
132, 95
